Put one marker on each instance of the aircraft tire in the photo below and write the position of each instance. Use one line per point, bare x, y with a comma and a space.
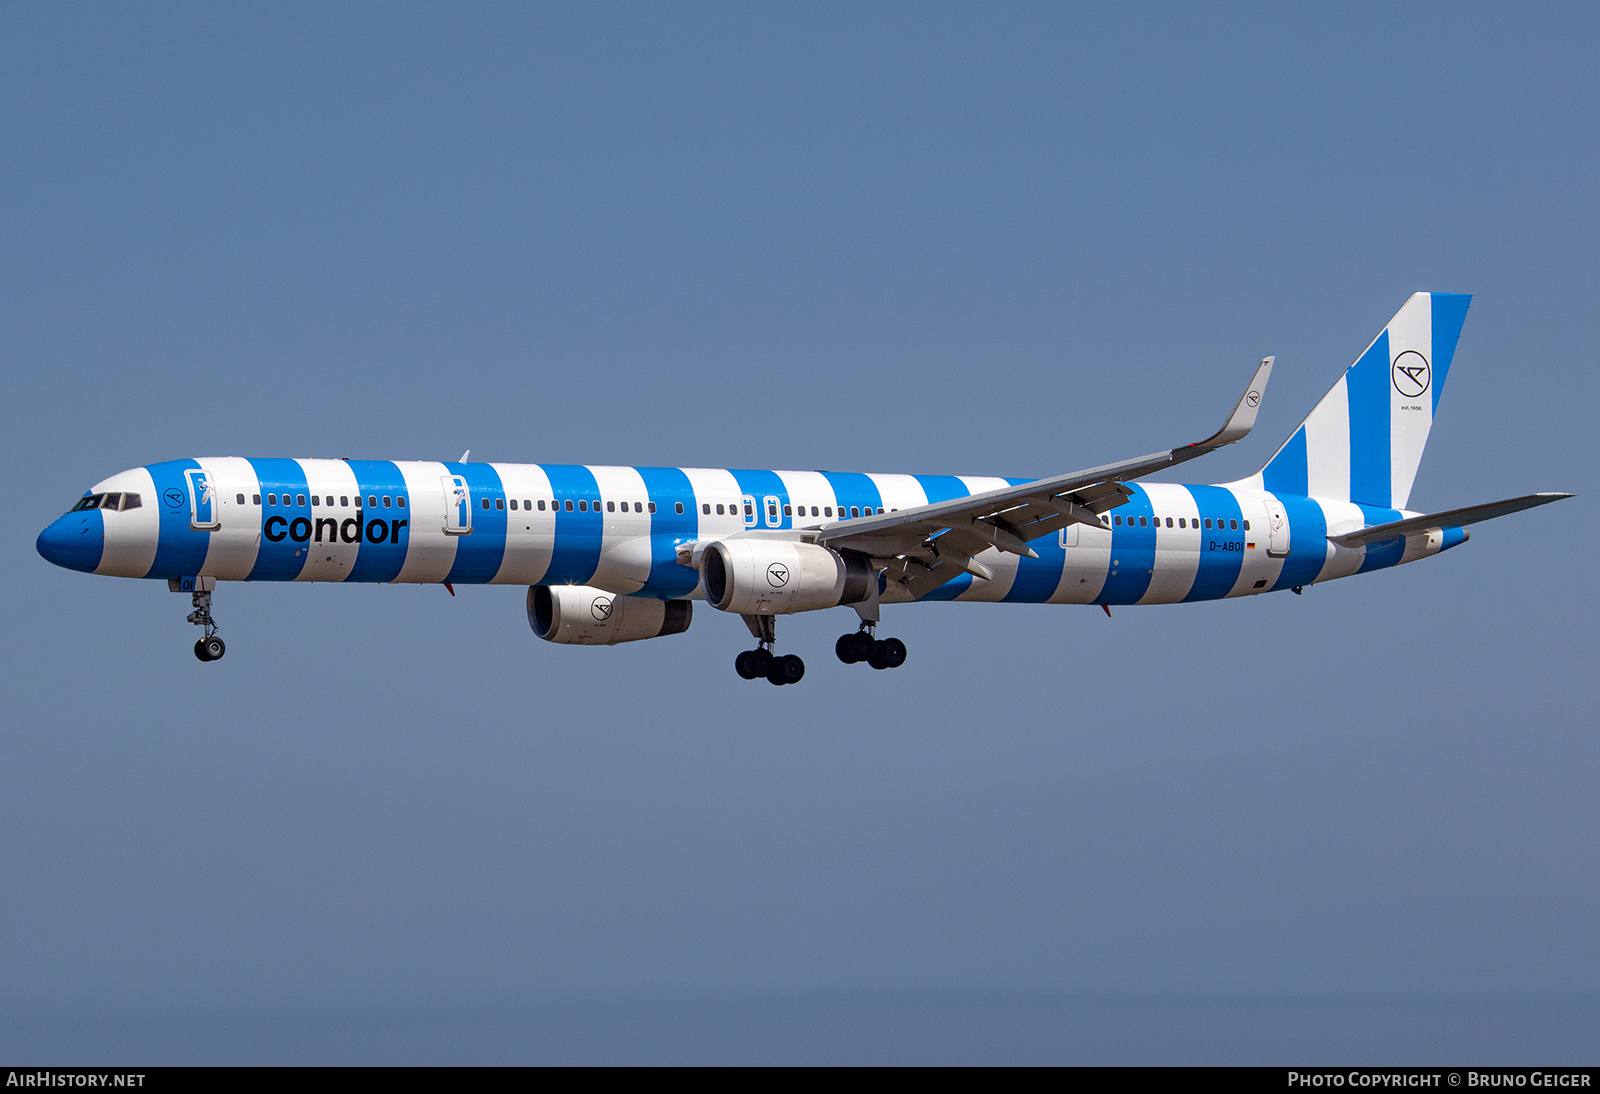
200, 649
787, 669
845, 648
888, 654
741, 665
215, 648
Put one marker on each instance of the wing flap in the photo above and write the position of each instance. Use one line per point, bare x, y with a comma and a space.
1008, 518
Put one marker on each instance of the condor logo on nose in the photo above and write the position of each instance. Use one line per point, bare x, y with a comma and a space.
332, 530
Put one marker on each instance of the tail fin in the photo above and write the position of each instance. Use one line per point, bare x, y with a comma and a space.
1364, 440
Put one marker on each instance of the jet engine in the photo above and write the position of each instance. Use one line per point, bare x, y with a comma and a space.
578, 615
775, 577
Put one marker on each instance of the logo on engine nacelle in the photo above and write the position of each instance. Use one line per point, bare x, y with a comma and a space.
601, 608
777, 575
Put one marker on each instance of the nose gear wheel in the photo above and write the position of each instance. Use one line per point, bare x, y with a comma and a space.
210, 647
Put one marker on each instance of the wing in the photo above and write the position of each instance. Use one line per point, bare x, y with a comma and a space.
924, 547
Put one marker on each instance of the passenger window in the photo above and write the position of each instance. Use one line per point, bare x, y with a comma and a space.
749, 510
1117, 521
1208, 522
827, 510
678, 504
316, 499
788, 510
299, 499
400, 501
485, 503
131, 501
386, 501
541, 505
1234, 525
611, 507
855, 511
1169, 522
772, 509
719, 509
1246, 526
344, 501
583, 505
499, 503
1183, 522
880, 510
272, 499
569, 505
240, 499
372, 501
513, 504
705, 508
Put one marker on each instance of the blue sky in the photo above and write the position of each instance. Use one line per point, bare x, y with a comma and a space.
1012, 239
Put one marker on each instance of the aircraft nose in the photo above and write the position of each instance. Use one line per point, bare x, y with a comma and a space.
75, 541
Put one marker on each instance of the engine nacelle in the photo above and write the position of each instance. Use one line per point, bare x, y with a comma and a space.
578, 615
775, 577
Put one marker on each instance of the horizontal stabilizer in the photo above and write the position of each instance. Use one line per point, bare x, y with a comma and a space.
1454, 518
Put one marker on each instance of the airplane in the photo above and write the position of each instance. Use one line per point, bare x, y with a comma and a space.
618, 554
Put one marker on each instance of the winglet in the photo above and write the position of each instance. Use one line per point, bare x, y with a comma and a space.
1243, 418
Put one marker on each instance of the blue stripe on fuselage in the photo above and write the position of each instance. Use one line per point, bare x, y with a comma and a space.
941, 487
180, 550
480, 555
1037, 578
1381, 555
761, 485
578, 534
280, 557
945, 488
1133, 552
1221, 548
1308, 542
380, 559
853, 488
668, 487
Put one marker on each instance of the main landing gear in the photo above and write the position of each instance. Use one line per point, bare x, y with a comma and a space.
210, 647
753, 664
761, 661
886, 653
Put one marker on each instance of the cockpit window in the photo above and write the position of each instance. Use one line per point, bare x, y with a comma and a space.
107, 501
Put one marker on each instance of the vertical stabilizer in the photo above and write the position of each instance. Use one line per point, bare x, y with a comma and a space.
1364, 440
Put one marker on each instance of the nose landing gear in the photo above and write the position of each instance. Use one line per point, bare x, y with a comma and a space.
210, 647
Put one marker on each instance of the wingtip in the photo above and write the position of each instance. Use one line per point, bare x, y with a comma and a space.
1243, 418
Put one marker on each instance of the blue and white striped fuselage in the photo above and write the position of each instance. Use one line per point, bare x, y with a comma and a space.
620, 529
